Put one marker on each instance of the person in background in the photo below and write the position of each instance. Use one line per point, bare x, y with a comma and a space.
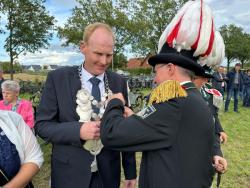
234, 86
69, 114
20, 153
213, 98
246, 101
219, 80
1, 81
12, 102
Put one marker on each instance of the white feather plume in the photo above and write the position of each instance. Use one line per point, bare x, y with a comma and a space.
206, 28
218, 52
189, 28
171, 25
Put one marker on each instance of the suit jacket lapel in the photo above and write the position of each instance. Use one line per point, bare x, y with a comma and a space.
75, 85
110, 81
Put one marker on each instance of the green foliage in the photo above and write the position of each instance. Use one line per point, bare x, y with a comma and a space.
236, 150
111, 12
6, 66
244, 52
42, 72
139, 71
29, 26
137, 24
150, 18
25, 96
237, 44
120, 61
114, 13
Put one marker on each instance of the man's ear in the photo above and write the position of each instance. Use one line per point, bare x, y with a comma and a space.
172, 69
82, 47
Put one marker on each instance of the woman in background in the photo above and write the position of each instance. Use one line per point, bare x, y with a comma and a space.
11, 102
20, 153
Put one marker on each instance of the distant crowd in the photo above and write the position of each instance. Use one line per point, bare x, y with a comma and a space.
235, 83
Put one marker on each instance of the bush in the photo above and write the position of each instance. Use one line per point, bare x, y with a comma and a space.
139, 71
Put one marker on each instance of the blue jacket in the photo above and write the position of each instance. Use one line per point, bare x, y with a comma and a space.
247, 80
230, 82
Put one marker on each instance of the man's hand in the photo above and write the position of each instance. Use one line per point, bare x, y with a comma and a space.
130, 183
223, 137
220, 164
90, 130
117, 96
127, 112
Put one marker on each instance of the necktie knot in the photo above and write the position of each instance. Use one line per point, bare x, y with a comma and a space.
94, 81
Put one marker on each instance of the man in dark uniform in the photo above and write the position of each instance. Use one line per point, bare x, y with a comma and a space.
177, 147
174, 131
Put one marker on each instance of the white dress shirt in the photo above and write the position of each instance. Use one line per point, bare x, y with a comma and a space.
87, 84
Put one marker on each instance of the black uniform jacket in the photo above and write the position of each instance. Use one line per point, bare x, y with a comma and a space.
218, 128
215, 110
57, 123
176, 138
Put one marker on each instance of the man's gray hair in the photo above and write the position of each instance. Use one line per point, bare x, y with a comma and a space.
10, 85
187, 72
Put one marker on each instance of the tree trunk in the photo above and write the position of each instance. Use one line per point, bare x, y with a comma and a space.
10, 45
228, 62
11, 66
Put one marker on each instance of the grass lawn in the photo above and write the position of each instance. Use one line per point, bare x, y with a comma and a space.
236, 151
26, 77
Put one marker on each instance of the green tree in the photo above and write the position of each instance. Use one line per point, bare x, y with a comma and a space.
6, 67
111, 12
120, 61
137, 24
29, 27
150, 19
237, 45
244, 52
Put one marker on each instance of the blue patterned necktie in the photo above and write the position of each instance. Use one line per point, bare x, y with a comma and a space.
95, 92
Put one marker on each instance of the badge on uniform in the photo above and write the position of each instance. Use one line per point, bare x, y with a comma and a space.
217, 97
146, 111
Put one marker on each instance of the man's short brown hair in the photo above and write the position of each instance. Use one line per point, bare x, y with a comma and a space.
238, 64
92, 27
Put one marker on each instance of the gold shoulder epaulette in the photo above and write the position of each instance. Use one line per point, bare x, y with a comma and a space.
167, 90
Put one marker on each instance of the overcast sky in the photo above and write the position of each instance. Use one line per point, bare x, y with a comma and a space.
224, 11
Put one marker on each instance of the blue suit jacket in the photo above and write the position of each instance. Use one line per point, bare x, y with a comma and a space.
231, 76
57, 123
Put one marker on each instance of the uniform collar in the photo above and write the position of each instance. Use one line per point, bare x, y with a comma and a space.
187, 85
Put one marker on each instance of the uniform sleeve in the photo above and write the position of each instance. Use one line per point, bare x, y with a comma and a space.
157, 129
214, 109
216, 147
128, 158
32, 150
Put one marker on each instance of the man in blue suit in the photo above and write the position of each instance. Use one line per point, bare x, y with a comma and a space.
234, 86
64, 117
